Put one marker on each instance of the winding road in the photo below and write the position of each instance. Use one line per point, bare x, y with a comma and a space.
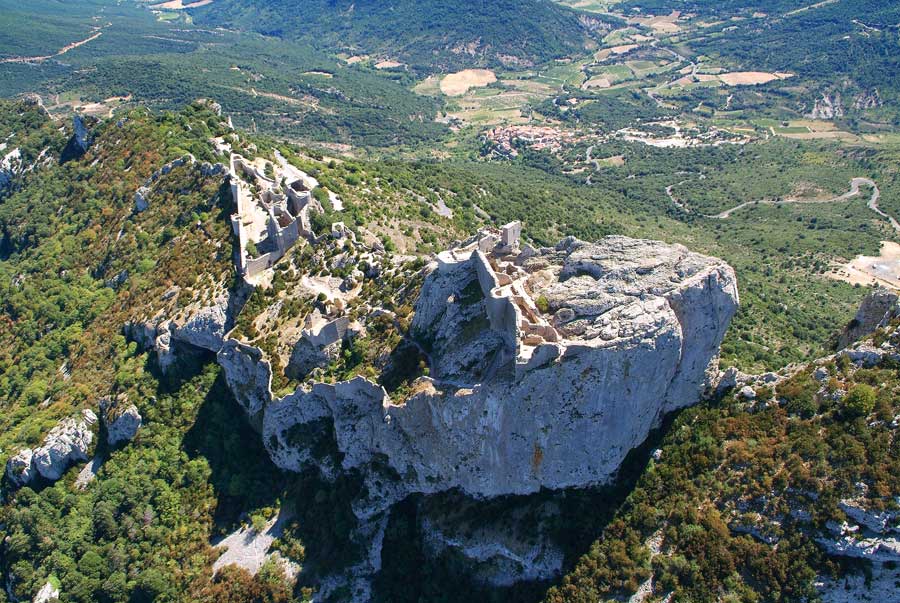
855, 185
58, 53
854, 191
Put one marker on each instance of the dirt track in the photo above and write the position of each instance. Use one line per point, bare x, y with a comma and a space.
60, 52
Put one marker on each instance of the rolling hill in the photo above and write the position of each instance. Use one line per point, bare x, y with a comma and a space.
425, 35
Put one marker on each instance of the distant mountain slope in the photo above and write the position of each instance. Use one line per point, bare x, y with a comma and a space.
445, 34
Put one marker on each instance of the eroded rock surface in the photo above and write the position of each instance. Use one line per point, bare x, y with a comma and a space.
545, 368
521, 397
200, 325
876, 310
122, 420
66, 444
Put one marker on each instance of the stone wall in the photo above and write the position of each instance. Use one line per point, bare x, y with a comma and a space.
505, 317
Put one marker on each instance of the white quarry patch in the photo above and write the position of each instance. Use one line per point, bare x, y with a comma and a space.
249, 549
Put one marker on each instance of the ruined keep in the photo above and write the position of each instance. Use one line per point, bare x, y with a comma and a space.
273, 219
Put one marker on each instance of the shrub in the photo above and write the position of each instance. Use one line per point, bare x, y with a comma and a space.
860, 400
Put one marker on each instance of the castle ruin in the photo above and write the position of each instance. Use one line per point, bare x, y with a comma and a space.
496, 256
272, 213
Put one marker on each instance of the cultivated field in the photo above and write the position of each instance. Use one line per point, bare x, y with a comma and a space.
457, 84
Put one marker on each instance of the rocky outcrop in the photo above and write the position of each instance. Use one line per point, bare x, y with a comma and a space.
10, 168
867, 100
34, 100
627, 332
317, 347
499, 547
249, 376
141, 203
200, 325
877, 309
19, 468
66, 444
122, 420
829, 106
82, 136
142, 194
47, 593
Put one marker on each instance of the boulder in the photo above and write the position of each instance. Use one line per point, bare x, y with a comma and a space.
122, 420
747, 393
20, 469
66, 444
141, 203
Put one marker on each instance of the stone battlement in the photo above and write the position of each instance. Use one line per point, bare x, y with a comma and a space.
273, 220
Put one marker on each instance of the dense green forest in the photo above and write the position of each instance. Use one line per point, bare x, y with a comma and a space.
856, 40
264, 83
429, 36
722, 468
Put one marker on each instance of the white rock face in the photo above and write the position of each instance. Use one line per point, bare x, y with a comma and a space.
47, 593
141, 203
66, 444
10, 167
19, 469
249, 376
122, 420
82, 136
639, 323
201, 325
546, 368
827, 107
877, 309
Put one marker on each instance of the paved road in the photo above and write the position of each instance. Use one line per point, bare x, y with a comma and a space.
854, 191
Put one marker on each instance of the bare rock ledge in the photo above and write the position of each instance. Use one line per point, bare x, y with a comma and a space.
546, 368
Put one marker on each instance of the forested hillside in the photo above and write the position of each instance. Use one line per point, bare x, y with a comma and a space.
429, 36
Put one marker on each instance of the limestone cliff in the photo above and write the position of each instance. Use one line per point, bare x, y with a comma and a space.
66, 444
546, 367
